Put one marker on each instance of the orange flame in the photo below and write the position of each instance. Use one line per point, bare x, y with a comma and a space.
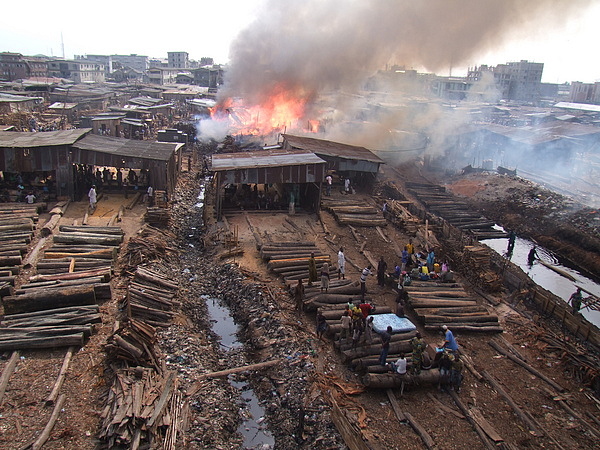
282, 109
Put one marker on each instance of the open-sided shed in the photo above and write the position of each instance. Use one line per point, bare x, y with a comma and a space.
270, 167
162, 160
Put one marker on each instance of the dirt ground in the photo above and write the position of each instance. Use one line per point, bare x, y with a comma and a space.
296, 395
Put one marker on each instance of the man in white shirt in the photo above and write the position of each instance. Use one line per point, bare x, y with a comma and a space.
329, 181
400, 365
93, 197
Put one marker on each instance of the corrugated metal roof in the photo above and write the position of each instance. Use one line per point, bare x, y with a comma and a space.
330, 148
267, 158
161, 151
41, 139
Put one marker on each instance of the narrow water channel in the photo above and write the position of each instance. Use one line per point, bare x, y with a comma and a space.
253, 427
547, 278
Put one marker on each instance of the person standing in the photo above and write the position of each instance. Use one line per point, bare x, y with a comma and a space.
430, 260
346, 320
532, 255
347, 185
341, 264
93, 198
312, 269
329, 182
150, 193
369, 330
386, 337
404, 258
418, 347
363, 280
299, 295
381, 268
456, 376
321, 325
410, 248
449, 340
325, 277
575, 300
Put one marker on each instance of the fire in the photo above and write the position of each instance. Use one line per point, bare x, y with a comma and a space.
281, 110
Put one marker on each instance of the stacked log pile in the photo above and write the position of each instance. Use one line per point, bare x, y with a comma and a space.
55, 214
290, 259
457, 213
48, 317
398, 214
151, 298
340, 292
17, 225
354, 213
450, 304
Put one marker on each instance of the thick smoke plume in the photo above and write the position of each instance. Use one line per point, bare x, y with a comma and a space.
313, 46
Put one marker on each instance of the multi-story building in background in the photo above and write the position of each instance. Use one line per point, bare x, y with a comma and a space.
80, 71
15, 66
585, 93
519, 81
179, 59
139, 63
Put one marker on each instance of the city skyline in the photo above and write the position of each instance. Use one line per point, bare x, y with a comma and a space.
209, 31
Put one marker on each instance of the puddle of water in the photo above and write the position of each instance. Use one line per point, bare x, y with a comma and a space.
547, 278
253, 427
256, 436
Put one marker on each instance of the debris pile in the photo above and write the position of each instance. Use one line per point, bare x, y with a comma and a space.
150, 297
151, 244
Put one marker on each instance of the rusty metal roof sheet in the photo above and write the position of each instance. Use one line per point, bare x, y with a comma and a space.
41, 139
330, 148
161, 151
266, 158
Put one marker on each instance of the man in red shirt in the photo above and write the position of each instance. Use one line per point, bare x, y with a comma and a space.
366, 309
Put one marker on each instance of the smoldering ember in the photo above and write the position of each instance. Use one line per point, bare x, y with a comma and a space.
415, 263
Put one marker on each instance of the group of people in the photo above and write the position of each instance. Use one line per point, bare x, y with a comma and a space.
356, 322
447, 358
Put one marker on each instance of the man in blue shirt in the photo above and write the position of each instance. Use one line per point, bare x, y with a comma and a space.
449, 341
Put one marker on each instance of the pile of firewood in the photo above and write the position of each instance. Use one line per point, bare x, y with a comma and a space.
158, 217
150, 297
143, 408
148, 246
134, 342
449, 304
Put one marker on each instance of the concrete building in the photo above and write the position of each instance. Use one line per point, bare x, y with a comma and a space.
162, 75
139, 63
585, 93
520, 81
14, 66
80, 71
105, 60
180, 60
210, 77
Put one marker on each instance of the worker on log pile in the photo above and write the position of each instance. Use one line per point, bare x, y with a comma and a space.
445, 365
325, 277
386, 337
341, 264
381, 268
430, 260
575, 300
346, 322
410, 248
369, 330
312, 269
418, 347
363, 280
449, 340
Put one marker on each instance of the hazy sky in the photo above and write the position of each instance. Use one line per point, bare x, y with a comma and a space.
208, 28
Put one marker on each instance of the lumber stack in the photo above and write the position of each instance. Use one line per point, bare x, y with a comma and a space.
17, 225
48, 317
442, 304
354, 213
290, 259
454, 211
398, 214
157, 217
139, 406
151, 298
55, 214
150, 244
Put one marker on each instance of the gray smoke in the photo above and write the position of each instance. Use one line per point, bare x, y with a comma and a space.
315, 46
